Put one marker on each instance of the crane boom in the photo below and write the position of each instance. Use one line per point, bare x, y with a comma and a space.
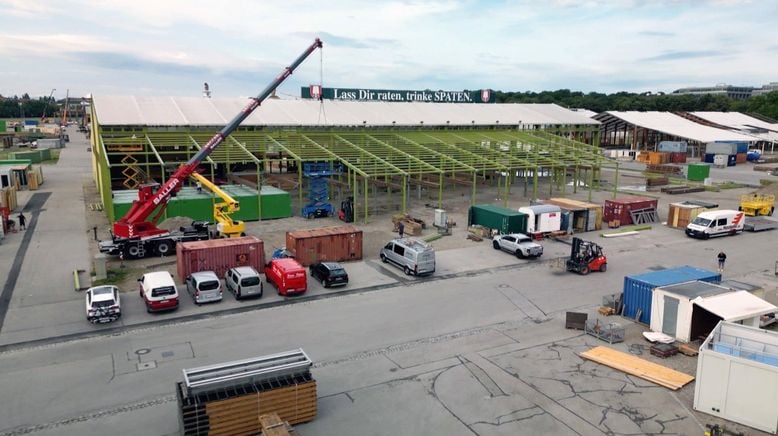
134, 223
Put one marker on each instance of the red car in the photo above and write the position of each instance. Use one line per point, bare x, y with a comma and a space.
287, 275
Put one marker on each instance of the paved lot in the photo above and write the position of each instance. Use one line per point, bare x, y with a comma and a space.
479, 348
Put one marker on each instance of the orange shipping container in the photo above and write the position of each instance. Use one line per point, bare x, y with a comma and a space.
741, 158
219, 255
327, 244
656, 158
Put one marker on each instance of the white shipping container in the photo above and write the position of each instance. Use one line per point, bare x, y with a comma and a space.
725, 148
542, 218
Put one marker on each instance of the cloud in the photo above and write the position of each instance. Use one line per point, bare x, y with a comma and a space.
682, 55
331, 39
656, 33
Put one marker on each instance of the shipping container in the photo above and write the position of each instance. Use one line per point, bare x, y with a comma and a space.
698, 172
639, 288
681, 214
721, 148
326, 244
673, 146
620, 208
3, 126
578, 216
502, 219
678, 157
731, 159
672, 309
542, 218
658, 158
741, 158
219, 255
740, 146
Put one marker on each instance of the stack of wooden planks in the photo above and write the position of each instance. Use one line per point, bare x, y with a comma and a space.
236, 411
272, 425
636, 366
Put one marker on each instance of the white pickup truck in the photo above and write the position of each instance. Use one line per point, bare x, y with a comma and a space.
519, 244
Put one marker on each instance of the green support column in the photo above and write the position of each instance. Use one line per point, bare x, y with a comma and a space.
440, 191
616, 182
472, 194
564, 181
299, 182
575, 180
405, 195
551, 182
355, 190
364, 220
535, 183
259, 193
591, 183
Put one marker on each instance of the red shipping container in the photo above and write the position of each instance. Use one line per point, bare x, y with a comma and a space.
326, 244
679, 157
219, 255
618, 209
741, 158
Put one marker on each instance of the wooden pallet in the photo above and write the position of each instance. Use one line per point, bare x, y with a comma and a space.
663, 350
688, 349
273, 425
606, 311
683, 189
636, 366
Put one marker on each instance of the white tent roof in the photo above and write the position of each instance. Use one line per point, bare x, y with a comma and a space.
671, 124
735, 306
736, 120
196, 111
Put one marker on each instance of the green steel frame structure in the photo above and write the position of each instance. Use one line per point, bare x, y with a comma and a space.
391, 158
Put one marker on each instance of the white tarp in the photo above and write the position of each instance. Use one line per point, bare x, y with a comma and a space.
198, 111
671, 124
735, 306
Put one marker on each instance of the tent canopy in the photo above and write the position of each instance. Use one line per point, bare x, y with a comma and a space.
674, 125
736, 306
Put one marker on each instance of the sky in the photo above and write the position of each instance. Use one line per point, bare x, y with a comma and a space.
170, 47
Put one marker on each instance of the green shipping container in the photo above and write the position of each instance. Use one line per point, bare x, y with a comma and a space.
498, 218
698, 172
3, 126
33, 156
199, 205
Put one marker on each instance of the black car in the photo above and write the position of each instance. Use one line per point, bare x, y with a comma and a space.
329, 274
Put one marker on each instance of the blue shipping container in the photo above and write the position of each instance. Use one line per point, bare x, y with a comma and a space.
731, 159
638, 289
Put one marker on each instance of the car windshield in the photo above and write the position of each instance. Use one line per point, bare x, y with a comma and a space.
337, 272
701, 222
103, 290
250, 281
521, 240
209, 285
104, 303
166, 290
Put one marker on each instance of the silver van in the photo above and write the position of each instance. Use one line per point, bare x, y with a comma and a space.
204, 287
243, 281
412, 255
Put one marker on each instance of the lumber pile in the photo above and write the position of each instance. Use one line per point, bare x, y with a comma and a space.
664, 169
413, 226
636, 366
682, 189
234, 411
273, 425
8, 198
657, 181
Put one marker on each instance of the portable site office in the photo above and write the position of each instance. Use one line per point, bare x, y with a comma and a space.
691, 310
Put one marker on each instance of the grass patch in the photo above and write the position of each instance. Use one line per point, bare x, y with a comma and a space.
730, 185
115, 275
766, 182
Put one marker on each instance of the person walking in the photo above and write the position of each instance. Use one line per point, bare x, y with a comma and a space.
722, 257
400, 228
22, 221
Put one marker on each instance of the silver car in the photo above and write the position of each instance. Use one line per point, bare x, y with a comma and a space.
204, 287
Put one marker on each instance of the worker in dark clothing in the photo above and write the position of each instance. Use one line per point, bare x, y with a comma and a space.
400, 228
722, 257
22, 221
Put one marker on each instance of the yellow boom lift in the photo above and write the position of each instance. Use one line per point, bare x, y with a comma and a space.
757, 204
226, 227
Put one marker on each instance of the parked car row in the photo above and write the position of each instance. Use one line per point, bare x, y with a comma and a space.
159, 291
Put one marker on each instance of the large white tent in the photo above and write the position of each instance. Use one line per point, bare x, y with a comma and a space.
674, 125
194, 111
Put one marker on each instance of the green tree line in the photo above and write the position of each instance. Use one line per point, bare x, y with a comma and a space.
24, 106
765, 105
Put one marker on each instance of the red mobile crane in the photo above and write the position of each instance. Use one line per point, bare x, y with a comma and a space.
133, 236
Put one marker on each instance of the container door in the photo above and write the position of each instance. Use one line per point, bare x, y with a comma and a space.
670, 316
591, 220
712, 380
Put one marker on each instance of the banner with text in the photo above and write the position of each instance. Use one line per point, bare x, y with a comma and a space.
317, 92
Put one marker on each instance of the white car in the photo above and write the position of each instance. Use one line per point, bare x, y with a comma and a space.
103, 304
519, 244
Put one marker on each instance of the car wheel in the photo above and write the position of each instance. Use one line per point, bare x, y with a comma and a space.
407, 270
310, 216
148, 309
604, 267
164, 248
237, 295
324, 283
383, 258
496, 245
261, 291
584, 270
519, 254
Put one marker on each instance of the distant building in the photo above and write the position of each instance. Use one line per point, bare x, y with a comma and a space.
733, 92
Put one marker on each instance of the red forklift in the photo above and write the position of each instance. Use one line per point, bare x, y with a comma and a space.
586, 256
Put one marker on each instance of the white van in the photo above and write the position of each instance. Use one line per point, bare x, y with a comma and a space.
243, 281
716, 223
412, 255
204, 287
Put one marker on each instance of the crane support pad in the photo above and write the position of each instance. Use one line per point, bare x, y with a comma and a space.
636, 366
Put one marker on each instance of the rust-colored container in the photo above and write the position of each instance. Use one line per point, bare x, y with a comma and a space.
618, 209
219, 255
678, 157
741, 158
656, 158
326, 244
